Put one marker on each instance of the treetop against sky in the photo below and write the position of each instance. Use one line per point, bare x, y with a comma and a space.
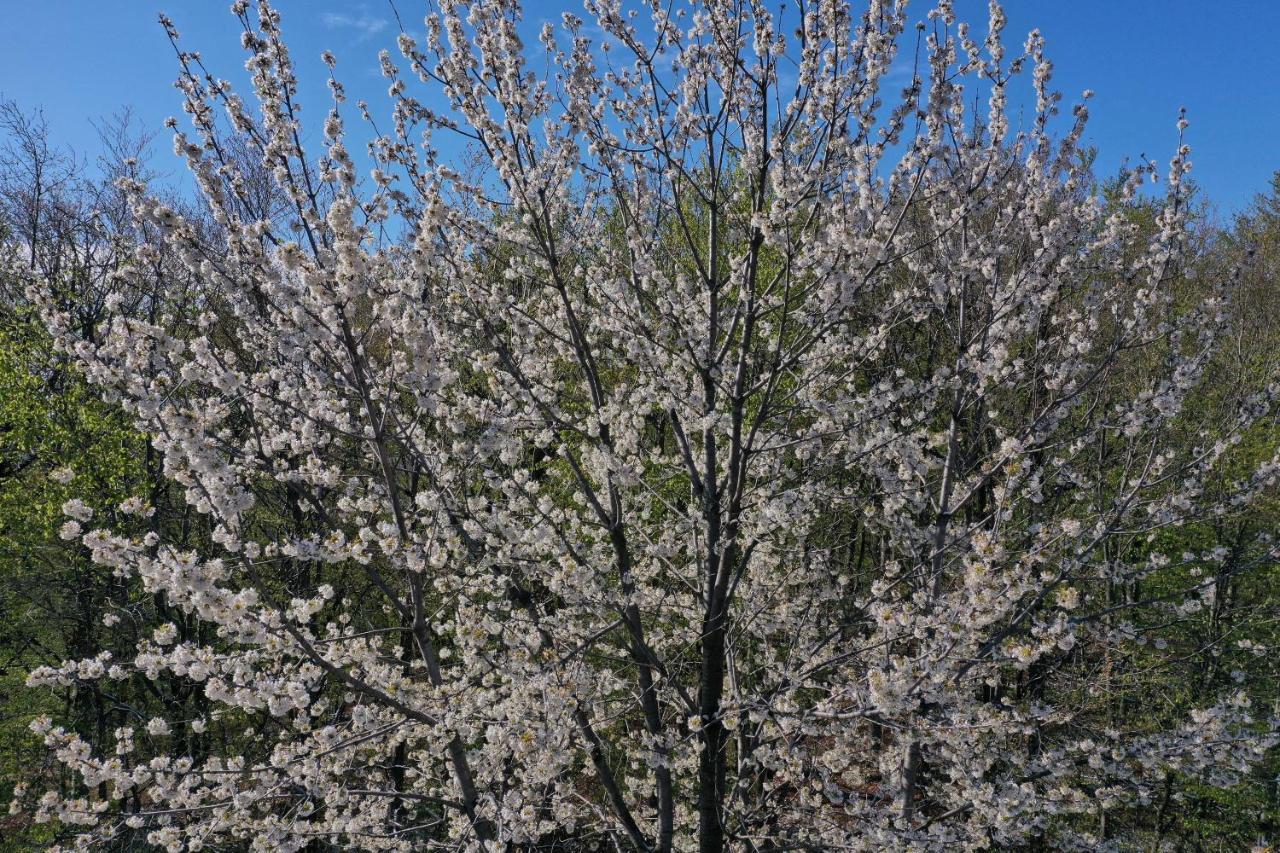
1144, 58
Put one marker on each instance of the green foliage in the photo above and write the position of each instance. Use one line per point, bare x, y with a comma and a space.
51, 599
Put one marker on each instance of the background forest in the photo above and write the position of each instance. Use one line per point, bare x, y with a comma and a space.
65, 221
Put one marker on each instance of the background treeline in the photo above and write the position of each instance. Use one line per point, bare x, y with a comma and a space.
64, 222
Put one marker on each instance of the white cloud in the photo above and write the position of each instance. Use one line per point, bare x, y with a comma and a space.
365, 25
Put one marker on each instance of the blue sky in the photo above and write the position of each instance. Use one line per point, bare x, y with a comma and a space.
83, 59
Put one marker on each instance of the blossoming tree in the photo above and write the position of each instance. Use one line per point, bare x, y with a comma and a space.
745, 458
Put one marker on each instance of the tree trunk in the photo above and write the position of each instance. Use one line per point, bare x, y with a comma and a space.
711, 763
